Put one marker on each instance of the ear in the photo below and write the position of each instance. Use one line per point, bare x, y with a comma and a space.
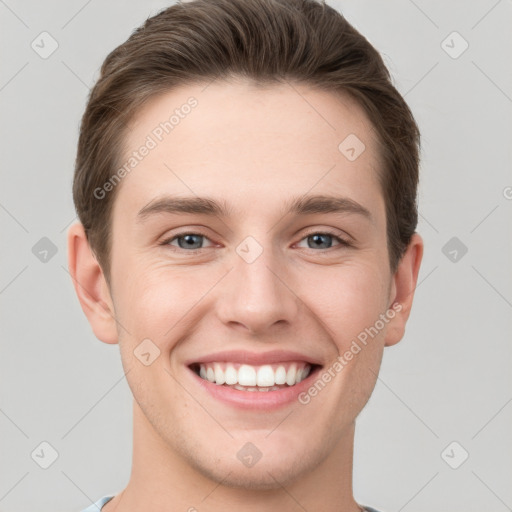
402, 289
90, 285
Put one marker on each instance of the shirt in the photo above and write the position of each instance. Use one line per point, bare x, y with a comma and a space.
96, 507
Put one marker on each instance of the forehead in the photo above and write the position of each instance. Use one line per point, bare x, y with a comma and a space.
258, 143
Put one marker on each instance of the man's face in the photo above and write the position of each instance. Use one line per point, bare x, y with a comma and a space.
255, 284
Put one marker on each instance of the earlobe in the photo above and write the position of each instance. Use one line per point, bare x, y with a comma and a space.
402, 289
90, 285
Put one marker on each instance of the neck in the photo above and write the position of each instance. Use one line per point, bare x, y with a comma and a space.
161, 480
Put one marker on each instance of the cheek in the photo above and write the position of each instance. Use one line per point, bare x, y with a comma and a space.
159, 302
348, 299
152, 308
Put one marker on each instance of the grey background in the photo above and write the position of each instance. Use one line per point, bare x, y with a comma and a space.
448, 380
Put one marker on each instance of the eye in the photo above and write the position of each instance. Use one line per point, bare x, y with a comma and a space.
186, 241
190, 241
321, 240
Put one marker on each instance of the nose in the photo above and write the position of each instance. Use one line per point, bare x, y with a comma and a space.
258, 296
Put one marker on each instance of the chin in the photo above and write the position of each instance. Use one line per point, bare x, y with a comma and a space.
266, 477
266, 474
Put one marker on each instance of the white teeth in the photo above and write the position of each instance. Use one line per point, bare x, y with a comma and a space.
265, 376
230, 374
242, 388
246, 375
219, 374
210, 374
254, 378
280, 376
290, 375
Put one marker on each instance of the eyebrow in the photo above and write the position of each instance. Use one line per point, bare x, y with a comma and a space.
303, 205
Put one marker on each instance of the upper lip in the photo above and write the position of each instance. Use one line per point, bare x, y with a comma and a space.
254, 358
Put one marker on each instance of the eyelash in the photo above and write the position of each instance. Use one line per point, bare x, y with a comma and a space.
342, 242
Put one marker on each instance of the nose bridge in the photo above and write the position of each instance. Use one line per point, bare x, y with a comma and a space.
257, 296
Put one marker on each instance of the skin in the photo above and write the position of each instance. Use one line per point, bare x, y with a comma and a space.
255, 149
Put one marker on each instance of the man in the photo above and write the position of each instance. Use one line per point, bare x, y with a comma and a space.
246, 186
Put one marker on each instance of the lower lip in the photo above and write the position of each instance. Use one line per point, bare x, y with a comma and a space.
256, 400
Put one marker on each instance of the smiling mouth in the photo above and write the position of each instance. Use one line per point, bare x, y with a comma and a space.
245, 377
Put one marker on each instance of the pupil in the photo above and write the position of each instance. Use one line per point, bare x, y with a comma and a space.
190, 240
318, 240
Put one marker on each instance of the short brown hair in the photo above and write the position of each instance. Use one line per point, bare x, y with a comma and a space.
266, 41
